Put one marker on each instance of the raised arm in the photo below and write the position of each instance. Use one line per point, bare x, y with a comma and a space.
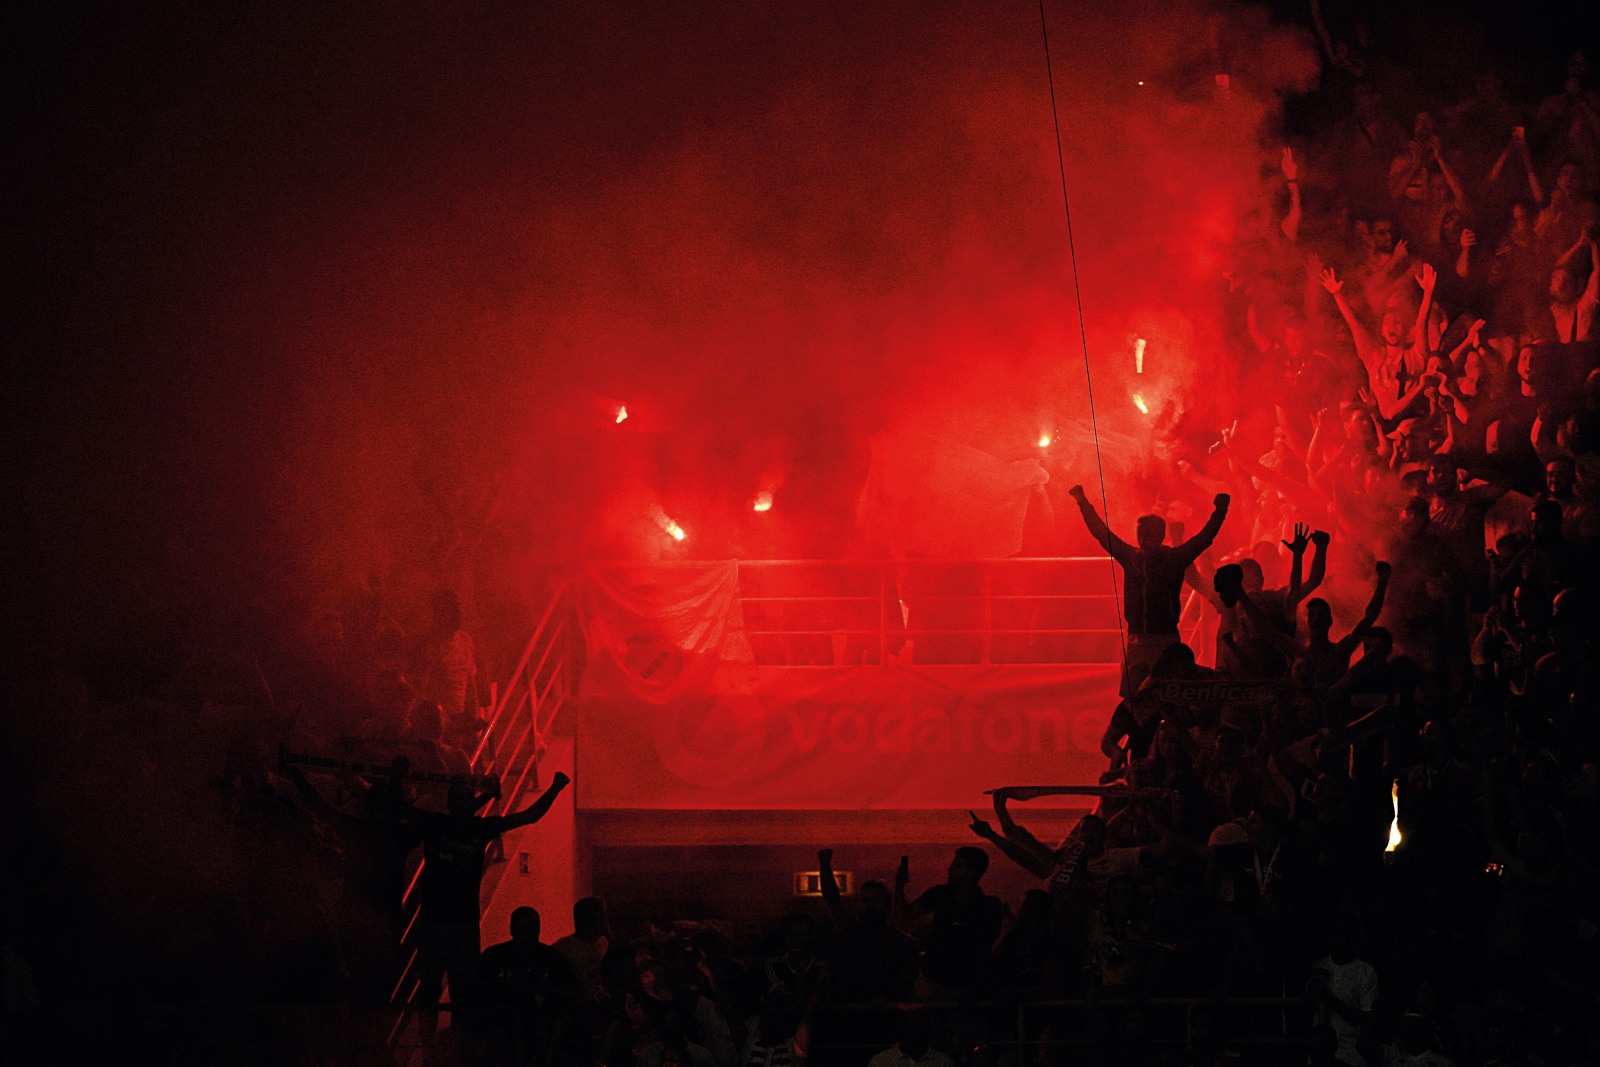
1297, 554
830, 888
1119, 549
1404, 169
1358, 332
536, 811
1429, 281
1290, 226
1319, 568
1015, 851
1190, 550
903, 911
1450, 177
1374, 608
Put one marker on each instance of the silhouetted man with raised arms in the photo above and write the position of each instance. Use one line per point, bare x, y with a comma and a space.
1152, 581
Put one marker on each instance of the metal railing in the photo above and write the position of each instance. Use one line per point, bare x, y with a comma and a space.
1056, 610
516, 734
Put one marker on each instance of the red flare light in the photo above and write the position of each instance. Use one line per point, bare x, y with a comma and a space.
668, 527
622, 412
762, 502
1138, 402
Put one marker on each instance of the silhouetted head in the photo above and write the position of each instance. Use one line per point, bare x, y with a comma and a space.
1560, 476
1319, 616
1444, 479
1546, 516
799, 933
1175, 661
589, 918
1415, 517
1377, 644
1254, 580
1036, 908
1091, 831
1530, 605
1151, 531
525, 926
1569, 179
1566, 285
427, 721
876, 901
967, 866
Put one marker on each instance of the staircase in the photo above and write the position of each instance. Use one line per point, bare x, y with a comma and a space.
520, 719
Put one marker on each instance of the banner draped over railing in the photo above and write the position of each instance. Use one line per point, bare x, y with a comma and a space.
656, 633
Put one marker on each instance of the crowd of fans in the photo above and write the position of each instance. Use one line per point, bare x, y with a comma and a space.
1418, 331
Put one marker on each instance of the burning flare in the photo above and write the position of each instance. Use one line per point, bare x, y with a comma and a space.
1138, 355
1394, 826
622, 412
763, 501
668, 527
1138, 402
1044, 440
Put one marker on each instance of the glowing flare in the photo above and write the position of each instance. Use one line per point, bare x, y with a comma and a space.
622, 413
1138, 355
1394, 826
1044, 440
763, 501
668, 527
1138, 402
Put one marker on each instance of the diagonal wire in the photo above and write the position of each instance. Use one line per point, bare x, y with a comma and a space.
1083, 334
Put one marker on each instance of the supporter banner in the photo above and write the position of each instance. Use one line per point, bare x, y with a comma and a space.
1217, 691
656, 633
848, 737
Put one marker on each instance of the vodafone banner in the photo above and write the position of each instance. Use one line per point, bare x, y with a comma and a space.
773, 738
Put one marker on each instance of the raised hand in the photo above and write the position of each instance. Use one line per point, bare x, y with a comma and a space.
1401, 250
825, 857
902, 873
979, 827
1302, 538
1320, 538
1221, 500
559, 781
1076, 492
1331, 282
1468, 238
1427, 277
1384, 570
1474, 330
1291, 169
